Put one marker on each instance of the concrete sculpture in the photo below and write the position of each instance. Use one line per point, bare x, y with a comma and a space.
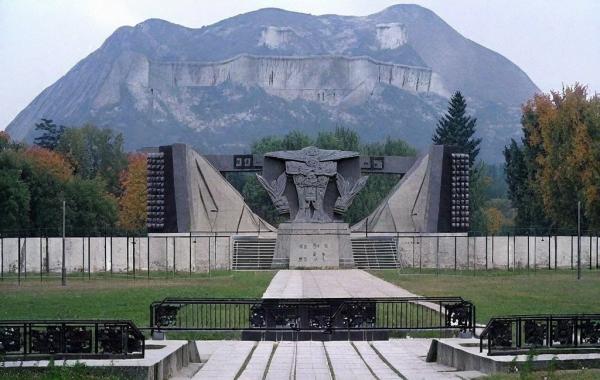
315, 187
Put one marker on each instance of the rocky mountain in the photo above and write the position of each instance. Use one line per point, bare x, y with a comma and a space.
266, 72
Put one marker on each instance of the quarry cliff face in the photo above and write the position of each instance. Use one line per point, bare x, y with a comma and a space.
267, 72
332, 80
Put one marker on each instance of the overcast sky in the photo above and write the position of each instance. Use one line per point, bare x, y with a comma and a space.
555, 42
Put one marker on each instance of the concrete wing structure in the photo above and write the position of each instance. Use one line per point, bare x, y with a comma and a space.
431, 197
198, 198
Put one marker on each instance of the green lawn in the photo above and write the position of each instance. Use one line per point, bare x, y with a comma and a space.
119, 298
496, 293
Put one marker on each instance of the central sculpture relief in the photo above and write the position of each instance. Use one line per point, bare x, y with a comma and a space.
315, 187
311, 171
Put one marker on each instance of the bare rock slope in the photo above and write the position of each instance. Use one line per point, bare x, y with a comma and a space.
221, 86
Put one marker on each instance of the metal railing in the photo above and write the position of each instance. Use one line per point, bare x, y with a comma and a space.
325, 315
512, 335
70, 339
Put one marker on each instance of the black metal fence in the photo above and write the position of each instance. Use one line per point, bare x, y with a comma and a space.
323, 315
512, 335
70, 339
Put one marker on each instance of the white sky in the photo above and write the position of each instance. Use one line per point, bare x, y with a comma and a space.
555, 42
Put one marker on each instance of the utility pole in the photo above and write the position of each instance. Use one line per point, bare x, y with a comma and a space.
578, 240
64, 267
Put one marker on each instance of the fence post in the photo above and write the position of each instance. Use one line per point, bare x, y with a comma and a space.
437, 255
555, 253
47, 256
528, 250
596, 252
508, 251
25, 255
590, 237
111, 255
474, 255
455, 253
19, 259
133, 243
105, 263
413, 249
148, 253
174, 255
82, 256
514, 252
549, 254
493, 266
535, 251
486, 252
127, 257
89, 259
571, 251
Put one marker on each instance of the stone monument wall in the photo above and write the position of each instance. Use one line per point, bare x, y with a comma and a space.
425, 251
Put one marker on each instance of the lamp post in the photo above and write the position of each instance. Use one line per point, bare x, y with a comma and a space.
64, 267
579, 240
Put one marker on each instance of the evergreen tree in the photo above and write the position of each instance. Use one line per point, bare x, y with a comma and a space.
50, 134
457, 128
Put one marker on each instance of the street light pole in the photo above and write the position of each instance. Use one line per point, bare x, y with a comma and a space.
579, 240
64, 268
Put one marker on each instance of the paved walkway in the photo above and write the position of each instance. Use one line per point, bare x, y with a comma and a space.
394, 359
341, 283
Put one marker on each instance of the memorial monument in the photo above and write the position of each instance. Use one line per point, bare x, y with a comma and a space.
314, 187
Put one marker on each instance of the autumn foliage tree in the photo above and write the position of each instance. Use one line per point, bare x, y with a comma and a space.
132, 203
558, 162
50, 162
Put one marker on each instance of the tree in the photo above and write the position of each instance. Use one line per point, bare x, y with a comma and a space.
4, 140
50, 162
90, 209
14, 201
50, 134
558, 162
132, 203
341, 139
95, 153
457, 128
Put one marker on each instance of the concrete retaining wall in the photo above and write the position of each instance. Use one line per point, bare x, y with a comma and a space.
183, 253
496, 252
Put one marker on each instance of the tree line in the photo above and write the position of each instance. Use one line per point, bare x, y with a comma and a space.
102, 186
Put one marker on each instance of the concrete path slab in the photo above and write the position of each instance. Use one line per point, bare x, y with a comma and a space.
311, 361
256, 367
408, 358
346, 362
283, 361
226, 361
372, 359
341, 283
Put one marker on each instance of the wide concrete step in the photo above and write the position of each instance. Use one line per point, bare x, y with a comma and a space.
346, 362
227, 360
394, 359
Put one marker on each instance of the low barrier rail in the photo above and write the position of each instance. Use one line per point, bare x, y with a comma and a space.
70, 339
325, 315
512, 335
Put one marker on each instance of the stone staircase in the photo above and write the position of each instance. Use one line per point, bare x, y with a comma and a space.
252, 254
375, 253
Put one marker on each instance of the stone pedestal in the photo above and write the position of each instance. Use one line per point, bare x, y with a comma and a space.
313, 246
